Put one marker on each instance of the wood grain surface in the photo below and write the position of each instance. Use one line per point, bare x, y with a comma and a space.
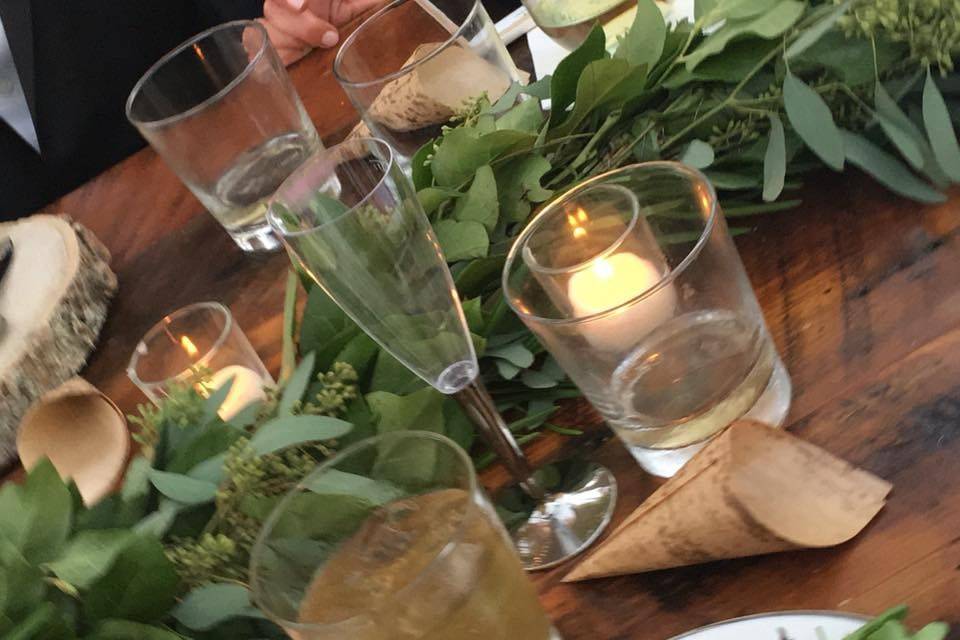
860, 291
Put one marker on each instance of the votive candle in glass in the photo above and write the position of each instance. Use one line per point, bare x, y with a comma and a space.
202, 337
631, 280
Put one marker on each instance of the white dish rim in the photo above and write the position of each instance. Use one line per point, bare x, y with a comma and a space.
774, 614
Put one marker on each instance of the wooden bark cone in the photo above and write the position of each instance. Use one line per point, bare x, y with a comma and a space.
54, 298
82, 432
437, 89
753, 490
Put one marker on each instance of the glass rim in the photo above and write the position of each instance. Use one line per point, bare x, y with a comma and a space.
330, 463
159, 326
404, 70
335, 150
691, 174
206, 102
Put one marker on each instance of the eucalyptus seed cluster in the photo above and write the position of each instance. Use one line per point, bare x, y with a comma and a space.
183, 407
337, 388
212, 557
931, 28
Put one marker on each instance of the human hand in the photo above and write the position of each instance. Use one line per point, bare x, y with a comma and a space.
297, 26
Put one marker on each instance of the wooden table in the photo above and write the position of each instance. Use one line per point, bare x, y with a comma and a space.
860, 290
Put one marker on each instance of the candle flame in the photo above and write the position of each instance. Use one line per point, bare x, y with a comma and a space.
576, 221
199, 52
188, 346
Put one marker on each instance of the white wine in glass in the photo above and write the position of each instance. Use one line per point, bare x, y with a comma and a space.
568, 22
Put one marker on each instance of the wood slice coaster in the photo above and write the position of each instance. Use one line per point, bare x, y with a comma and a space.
54, 299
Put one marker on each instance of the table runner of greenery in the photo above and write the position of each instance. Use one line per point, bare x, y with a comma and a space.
753, 92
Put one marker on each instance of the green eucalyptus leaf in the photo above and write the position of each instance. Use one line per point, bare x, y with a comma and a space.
89, 555
182, 488
643, 43
421, 173
539, 89
333, 482
767, 25
933, 631
526, 116
811, 119
814, 32
359, 353
141, 585
738, 59
943, 138
457, 425
538, 380
480, 275
515, 353
518, 183
506, 369
702, 8
212, 403
774, 160
463, 151
601, 85
887, 170
297, 385
391, 375
37, 514
741, 9
896, 613
462, 240
733, 181
473, 312
207, 606
904, 135
566, 77
432, 197
156, 524
480, 203
850, 58
421, 411
698, 154
127, 630
287, 431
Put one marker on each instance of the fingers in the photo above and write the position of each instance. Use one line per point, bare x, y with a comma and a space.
304, 26
336, 12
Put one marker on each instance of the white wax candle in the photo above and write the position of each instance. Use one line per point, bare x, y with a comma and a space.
610, 282
247, 388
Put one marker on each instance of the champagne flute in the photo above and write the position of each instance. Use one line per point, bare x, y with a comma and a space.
350, 218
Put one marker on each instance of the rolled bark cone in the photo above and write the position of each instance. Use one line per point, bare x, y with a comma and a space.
753, 490
54, 297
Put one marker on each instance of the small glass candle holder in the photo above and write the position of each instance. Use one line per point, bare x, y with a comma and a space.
632, 282
200, 338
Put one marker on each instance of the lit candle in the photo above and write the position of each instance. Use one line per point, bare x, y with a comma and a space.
247, 388
610, 282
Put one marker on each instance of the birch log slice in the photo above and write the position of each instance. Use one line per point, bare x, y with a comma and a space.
54, 298
437, 89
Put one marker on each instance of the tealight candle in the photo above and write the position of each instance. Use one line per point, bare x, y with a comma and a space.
247, 388
610, 282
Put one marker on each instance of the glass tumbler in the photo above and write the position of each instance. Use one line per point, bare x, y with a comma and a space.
569, 22
410, 67
202, 336
392, 539
222, 112
632, 281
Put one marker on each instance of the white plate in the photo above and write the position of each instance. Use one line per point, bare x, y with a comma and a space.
799, 625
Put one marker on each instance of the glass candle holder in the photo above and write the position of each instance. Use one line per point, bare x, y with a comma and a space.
569, 22
221, 111
201, 338
632, 282
410, 67
393, 538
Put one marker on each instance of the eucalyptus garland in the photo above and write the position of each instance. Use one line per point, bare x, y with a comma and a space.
754, 92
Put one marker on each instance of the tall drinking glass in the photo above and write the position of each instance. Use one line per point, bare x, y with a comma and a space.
222, 112
632, 282
392, 539
351, 219
413, 65
569, 22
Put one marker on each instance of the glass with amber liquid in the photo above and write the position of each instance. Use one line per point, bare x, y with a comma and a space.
392, 539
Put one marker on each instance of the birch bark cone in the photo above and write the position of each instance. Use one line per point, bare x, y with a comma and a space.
753, 490
54, 298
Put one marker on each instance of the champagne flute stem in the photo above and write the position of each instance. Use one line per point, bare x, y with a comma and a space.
480, 408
